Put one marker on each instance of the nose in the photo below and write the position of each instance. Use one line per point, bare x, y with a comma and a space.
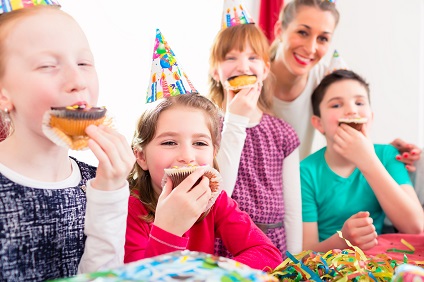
186, 154
311, 45
351, 110
74, 79
243, 65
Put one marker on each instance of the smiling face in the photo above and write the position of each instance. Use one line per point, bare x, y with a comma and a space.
176, 144
305, 40
48, 63
343, 99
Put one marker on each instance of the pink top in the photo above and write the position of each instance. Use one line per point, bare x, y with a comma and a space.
247, 243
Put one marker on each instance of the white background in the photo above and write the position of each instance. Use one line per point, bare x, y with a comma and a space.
380, 39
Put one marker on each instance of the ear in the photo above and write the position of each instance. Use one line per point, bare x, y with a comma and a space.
5, 101
316, 123
214, 74
141, 159
278, 29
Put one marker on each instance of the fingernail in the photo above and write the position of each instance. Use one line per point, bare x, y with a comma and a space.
413, 152
398, 157
405, 155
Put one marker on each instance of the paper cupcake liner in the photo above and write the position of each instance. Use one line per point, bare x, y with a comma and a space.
177, 175
61, 138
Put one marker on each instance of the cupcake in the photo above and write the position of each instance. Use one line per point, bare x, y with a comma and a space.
356, 123
236, 83
66, 125
178, 174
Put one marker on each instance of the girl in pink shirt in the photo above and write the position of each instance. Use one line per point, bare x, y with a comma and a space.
181, 131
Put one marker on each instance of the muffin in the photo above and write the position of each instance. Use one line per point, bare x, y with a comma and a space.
66, 125
236, 83
356, 123
178, 174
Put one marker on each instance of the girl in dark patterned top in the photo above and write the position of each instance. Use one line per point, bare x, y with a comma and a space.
58, 216
258, 158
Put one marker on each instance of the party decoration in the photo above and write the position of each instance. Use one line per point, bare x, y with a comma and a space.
167, 76
235, 13
11, 5
336, 63
185, 266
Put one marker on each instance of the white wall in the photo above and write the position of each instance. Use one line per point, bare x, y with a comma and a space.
383, 40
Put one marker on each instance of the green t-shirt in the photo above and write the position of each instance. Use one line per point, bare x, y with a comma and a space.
330, 199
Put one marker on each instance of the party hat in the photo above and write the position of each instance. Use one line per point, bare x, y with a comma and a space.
11, 5
336, 63
235, 13
167, 76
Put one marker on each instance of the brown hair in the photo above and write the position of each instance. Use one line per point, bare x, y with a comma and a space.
7, 22
236, 37
139, 179
336, 76
290, 10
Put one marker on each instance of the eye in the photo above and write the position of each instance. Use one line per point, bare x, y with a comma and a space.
46, 66
323, 39
302, 32
253, 57
168, 143
360, 103
230, 58
200, 143
335, 106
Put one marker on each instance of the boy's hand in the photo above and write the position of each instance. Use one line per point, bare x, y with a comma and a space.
408, 153
179, 208
354, 145
245, 102
360, 231
115, 156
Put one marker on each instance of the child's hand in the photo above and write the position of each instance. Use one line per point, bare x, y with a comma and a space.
179, 208
245, 102
115, 157
360, 231
408, 153
353, 145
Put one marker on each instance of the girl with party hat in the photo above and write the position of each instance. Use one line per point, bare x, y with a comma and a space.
259, 155
176, 201
58, 216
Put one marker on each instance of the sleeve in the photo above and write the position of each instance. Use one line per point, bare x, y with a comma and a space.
293, 203
243, 239
395, 168
144, 240
309, 206
232, 142
105, 225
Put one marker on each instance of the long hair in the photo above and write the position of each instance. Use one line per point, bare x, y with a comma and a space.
236, 38
290, 10
139, 179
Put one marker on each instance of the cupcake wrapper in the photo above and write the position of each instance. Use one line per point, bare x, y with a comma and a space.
177, 175
61, 138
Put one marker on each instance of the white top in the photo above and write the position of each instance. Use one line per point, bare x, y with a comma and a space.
298, 113
233, 137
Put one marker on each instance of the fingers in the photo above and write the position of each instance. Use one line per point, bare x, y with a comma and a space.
166, 189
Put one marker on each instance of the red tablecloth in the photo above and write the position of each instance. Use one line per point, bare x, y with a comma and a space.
393, 241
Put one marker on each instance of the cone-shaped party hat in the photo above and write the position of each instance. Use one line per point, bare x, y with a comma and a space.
235, 13
11, 5
336, 63
167, 76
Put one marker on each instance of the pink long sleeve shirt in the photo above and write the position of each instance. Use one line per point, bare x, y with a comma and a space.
245, 241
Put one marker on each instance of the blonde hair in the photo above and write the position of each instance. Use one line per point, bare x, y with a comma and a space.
236, 38
139, 179
290, 10
7, 22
